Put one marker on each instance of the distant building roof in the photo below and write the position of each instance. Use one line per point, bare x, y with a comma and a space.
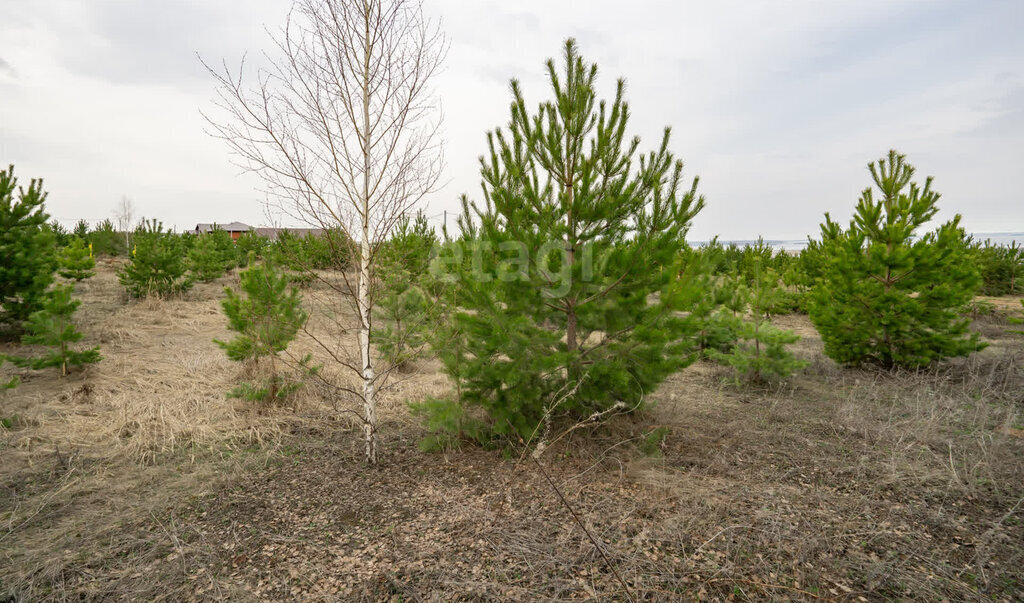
203, 228
272, 233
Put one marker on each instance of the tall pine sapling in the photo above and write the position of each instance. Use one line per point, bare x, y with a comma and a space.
206, 260
27, 251
760, 354
709, 296
158, 263
404, 305
106, 240
266, 315
227, 252
251, 245
81, 229
76, 261
885, 295
576, 234
54, 327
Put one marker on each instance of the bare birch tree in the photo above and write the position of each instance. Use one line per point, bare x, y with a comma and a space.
342, 126
123, 213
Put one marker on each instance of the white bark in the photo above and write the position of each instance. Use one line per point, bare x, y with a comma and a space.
343, 129
366, 358
123, 214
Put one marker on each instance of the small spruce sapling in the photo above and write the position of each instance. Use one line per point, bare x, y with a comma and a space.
266, 315
76, 261
760, 354
54, 327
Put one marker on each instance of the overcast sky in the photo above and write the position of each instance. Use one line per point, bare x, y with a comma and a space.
777, 106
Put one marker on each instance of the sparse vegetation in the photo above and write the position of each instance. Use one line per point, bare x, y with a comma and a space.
143, 481
563, 400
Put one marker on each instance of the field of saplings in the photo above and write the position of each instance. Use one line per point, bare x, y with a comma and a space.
559, 398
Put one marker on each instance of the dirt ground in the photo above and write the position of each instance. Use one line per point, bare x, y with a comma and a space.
137, 479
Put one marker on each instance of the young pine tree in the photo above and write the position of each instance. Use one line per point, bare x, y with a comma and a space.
76, 261
251, 245
404, 305
27, 251
266, 315
885, 295
106, 240
556, 314
206, 260
710, 297
81, 229
60, 235
760, 354
54, 327
227, 253
158, 263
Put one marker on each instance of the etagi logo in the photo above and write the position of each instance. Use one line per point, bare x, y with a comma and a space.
552, 262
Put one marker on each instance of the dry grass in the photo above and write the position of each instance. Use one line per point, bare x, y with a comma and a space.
137, 479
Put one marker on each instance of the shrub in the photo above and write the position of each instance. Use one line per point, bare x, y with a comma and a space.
885, 297
76, 261
266, 316
27, 251
158, 263
54, 326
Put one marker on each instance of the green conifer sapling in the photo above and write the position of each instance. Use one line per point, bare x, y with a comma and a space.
54, 327
887, 295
